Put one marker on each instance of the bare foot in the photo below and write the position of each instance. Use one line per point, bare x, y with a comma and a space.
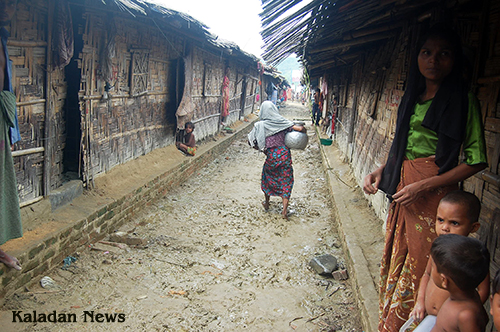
265, 205
285, 215
10, 261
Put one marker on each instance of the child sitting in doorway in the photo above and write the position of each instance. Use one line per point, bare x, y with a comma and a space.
459, 265
458, 213
188, 143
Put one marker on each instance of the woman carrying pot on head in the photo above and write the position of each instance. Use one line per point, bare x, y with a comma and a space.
268, 136
437, 118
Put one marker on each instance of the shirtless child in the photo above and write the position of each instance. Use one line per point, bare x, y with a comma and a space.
459, 264
458, 213
495, 300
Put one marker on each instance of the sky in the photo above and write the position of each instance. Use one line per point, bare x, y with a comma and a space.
234, 20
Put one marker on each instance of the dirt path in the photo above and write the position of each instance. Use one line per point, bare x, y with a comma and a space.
212, 260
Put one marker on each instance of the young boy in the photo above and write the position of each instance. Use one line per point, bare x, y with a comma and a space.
495, 300
459, 264
188, 144
458, 213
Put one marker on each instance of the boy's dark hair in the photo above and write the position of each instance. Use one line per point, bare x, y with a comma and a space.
189, 124
470, 201
464, 259
495, 285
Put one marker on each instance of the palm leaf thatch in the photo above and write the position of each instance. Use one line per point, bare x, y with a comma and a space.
328, 31
130, 6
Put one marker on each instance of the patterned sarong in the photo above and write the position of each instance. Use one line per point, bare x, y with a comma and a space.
409, 235
191, 150
10, 217
277, 173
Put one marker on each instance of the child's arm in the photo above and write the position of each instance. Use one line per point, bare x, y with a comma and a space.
419, 310
484, 289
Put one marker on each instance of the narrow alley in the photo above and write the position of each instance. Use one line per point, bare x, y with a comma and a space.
211, 259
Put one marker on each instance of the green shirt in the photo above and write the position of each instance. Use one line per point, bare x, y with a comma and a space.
422, 142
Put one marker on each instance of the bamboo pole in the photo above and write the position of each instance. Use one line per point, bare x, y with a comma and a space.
31, 102
488, 80
353, 42
31, 201
47, 160
268, 20
489, 177
25, 152
26, 43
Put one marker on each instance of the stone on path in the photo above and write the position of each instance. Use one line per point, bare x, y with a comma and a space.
123, 237
324, 264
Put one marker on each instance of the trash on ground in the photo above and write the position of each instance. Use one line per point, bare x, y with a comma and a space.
340, 275
48, 283
67, 262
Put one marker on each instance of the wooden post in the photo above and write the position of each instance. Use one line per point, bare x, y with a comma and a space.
47, 159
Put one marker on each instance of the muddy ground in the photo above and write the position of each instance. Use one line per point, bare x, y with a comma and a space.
212, 260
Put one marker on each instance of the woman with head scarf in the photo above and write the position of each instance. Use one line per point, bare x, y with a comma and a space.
268, 136
437, 118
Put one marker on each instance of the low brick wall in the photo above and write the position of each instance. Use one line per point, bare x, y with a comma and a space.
49, 253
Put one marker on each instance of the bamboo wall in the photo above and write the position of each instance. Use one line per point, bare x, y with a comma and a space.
208, 75
133, 123
131, 76
129, 123
27, 48
486, 186
375, 87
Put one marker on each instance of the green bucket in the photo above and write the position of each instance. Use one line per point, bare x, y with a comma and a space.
326, 141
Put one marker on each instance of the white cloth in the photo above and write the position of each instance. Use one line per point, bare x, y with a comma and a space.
271, 122
425, 325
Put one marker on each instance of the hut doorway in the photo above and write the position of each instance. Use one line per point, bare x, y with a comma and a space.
176, 82
71, 109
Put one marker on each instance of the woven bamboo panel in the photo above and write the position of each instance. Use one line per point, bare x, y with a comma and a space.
123, 128
136, 117
27, 50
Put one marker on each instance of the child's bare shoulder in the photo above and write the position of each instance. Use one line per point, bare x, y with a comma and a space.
472, 317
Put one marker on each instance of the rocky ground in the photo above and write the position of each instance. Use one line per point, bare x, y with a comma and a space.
210, 259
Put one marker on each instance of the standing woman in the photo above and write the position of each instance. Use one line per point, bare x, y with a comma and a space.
268, 136
437, 119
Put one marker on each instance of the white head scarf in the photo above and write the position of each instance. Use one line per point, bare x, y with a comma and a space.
271, 122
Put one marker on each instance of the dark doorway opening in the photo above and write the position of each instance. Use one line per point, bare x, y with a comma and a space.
176, 89
71, 109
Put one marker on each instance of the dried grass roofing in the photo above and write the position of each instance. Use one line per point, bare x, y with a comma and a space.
326, 32
179, 20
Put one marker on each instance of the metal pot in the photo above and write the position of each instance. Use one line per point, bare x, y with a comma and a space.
296, 140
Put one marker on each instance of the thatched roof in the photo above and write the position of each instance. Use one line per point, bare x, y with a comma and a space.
326, 33
180, 21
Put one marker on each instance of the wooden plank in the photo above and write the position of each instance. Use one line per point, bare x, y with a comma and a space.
49, 117
495, 154
492, 124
